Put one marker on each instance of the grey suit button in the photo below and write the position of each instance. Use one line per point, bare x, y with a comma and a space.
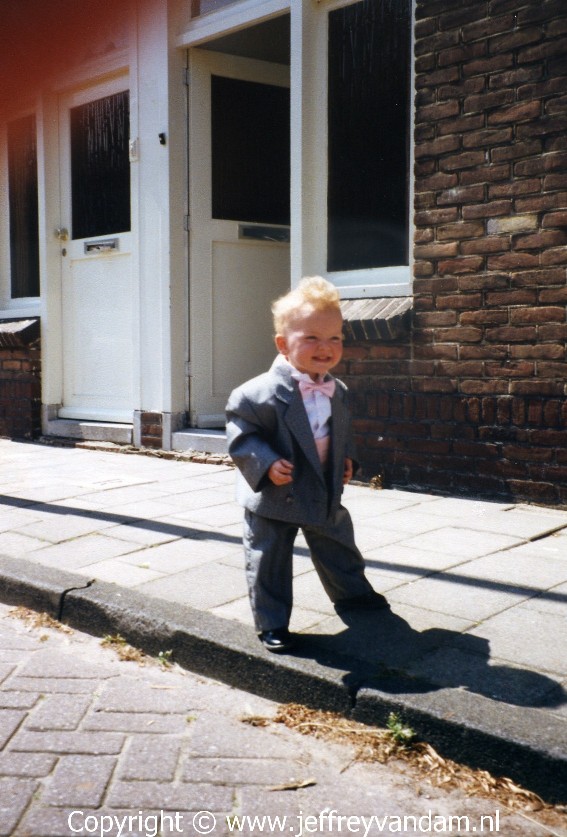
290, 498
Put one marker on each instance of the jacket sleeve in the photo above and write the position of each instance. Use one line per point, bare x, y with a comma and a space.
246, 437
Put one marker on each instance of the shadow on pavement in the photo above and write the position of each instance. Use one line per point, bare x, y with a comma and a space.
384, 651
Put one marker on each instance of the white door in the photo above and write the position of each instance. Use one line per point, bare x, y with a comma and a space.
239, 222
96, 259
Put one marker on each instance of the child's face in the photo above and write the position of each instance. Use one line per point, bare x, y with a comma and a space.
312, 340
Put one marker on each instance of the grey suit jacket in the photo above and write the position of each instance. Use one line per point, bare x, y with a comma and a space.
266, 421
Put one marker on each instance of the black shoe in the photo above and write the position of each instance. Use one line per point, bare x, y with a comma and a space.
368, 602
279, 640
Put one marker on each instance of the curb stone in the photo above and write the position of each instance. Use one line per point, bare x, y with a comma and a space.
517, 742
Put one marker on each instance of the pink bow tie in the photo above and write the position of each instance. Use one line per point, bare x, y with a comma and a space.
325, 387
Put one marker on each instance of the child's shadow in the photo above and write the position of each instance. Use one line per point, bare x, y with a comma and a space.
383, 650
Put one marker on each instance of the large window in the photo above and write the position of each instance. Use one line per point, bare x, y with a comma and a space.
100, 166
23, 207
368, 128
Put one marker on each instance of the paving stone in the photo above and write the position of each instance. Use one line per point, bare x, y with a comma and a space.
62, 712
61, 685
140, 760
26, 764
242, 771
18, 700
215, 736
90, 743
15, 796
169, 797
79, 781
129, 695
108, 721
10, 720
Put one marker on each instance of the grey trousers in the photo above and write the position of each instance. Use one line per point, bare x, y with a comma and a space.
268, 549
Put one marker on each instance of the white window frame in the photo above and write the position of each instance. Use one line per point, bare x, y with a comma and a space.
310, 46
309, 136
26, 306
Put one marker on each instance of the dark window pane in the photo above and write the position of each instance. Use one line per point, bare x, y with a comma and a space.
100, 166
250, 151
369, 84
22, 186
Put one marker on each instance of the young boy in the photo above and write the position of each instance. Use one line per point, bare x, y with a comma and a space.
289, 435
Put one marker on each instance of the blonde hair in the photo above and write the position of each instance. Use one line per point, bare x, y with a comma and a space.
313, 292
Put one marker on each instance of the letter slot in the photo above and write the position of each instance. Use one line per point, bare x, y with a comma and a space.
106, 246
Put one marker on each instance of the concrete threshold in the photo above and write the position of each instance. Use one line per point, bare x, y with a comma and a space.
506, 740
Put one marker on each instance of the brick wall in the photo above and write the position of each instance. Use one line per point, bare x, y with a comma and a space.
472, 400
20, 381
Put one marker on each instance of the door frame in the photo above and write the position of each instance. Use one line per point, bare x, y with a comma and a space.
202, 65
93, 89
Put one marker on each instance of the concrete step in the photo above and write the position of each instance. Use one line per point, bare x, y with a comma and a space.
200, 439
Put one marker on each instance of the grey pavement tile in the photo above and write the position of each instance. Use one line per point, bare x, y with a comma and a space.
513, 522
553, 601
528, 638
172, 797
263, 771
550, 547
87, 743
150, 509
409, 562
450, 593
142, 722
15, 544
461, 542
80, 552
139, 762
144, 533
206, 586
224, 514
10, 720
58, 712
152, 695
216, 736
182, 554
112, 497
462, 508
61, 663
512, 570
79, 781
57, 528
15, 796
59, 685
26, 765
371, 537
126, 574
411, 520
5, 671
18, 700
201, 498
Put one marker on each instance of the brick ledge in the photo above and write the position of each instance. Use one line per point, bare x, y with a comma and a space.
17, 333
386, 318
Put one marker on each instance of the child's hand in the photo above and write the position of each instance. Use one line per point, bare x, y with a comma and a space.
347, 471
280, 472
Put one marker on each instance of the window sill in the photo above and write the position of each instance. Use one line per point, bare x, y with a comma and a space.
17, 333
388, 318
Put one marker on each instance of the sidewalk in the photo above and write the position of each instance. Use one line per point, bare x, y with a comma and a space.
473, 653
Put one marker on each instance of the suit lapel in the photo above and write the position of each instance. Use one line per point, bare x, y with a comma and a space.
295, 416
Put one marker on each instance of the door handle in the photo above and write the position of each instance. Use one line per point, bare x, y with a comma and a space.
62, 233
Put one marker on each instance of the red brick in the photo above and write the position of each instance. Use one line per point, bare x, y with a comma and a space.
512, 261
517, 113
460, 125
512, 297
516, 151
486, 66
489, 209
484, 317
465, 264
514, 188
557, 255
485, 174
512, 334
488, 101
483, 387
547, 351
548, 49
536, 387
437, 147
434, 113
541, 241
465, 160
436, 216
515, 39
485, 246
459, 231
436, 251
